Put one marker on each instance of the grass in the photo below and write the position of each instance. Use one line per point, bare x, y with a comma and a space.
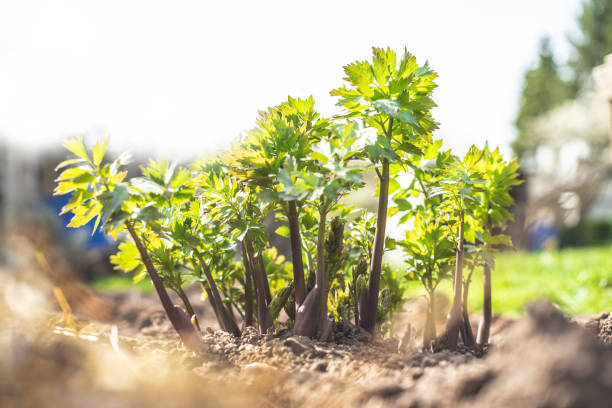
577, 280
122, 283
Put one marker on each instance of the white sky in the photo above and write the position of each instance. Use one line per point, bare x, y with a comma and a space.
184, 77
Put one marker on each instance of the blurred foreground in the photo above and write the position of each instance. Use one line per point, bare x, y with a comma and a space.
68, 345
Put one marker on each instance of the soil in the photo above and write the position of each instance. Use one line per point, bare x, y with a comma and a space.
120, 351
543, 360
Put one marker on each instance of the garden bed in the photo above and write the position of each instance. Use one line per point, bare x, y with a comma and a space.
544, 359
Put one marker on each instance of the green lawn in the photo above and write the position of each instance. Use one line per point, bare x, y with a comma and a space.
122, 282
578, 281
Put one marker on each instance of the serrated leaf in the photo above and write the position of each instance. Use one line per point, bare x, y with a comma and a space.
72, 173
99, 150
79, 197
113, 200
77, 147
388, 106
84, 214
115, 223
69, 162
146, 186
407, 116
64, 187
127, 258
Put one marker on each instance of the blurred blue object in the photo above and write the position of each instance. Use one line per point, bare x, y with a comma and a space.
77, 236
544, 235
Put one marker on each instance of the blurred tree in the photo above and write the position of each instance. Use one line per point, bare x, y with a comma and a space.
543, 89
565, 122
595, 42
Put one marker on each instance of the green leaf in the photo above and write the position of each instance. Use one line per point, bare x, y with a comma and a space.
139, 274
113, 200
388, 106
127, 258
394, 185
82, 215
146, 186
431, 151
169, 174
283, 231
65, 187
403, 204
116, 221
406, 116
149, 213
69, 162
278, 301
78, 198
99, 150
72, 173
181, 177
77, 147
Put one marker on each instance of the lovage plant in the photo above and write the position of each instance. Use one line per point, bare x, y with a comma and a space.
499, 177
429, 251
99, 191
207, 223
393, 97
459, 190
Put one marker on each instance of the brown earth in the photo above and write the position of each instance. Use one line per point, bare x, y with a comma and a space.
542, 360
120, 351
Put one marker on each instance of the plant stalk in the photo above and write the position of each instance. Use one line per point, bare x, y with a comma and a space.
467, 333
180, 321
261, 269
192, 315
453, 324
484, 327
248, 289
263, 312
229, 324
429, 334
311, 315
296, 254
322, 276
368, 304
213, 304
